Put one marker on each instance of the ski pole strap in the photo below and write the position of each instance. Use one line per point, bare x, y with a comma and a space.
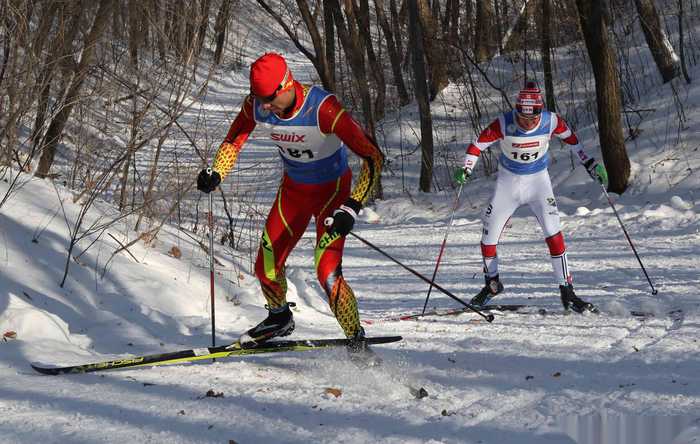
488, 317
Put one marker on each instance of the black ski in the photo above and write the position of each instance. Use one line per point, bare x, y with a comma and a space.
197, 354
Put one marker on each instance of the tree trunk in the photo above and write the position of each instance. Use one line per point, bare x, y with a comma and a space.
394, 54
421, 91
376, 68
450, 22
499, 17
123, 182
661, 49
69, 17
203, 19
135, 32
7, 46
145, 25
55, 131
680, 42
49, 13
162, 31
516, 30
9, 110
454, 22
467, 27
353, 49
190, 26
445, 21
595, 31
546, 52
435, 50
175, 28
396, 26
117, 26
319, 61
220, 30
131, 147
329, 34
484, 41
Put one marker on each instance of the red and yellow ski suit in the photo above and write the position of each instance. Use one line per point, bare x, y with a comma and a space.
311, 138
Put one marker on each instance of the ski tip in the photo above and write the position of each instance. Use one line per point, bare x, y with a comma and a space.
45, 370
383, 339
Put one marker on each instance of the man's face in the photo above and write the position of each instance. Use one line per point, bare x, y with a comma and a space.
527, 121
527, 116
279, 103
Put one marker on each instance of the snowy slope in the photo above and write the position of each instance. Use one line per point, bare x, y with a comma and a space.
523, 379
487, 383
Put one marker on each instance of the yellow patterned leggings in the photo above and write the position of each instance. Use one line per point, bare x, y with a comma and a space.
291, 213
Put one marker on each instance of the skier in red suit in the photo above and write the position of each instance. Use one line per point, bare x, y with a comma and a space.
312, 132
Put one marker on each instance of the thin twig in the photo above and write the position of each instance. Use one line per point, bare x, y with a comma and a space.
123, 247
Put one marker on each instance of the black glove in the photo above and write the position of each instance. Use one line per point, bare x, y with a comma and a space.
208, 180
343, 218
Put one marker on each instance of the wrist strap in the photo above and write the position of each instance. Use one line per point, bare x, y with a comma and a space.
348, 210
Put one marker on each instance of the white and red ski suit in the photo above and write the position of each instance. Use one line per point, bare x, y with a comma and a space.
523, 179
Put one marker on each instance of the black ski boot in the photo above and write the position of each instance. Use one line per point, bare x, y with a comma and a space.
492, 288
279, 322
570, 301
360, 353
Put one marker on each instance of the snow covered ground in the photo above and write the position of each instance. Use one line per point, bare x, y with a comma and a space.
515, 380
525, 378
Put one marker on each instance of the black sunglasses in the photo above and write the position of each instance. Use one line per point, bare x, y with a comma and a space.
271, 97
274, 94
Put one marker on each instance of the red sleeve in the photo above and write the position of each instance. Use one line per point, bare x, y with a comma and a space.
564, 132
490, 135
333, 119
242, 126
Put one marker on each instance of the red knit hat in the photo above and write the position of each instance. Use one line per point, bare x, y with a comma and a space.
270, 75
529, 100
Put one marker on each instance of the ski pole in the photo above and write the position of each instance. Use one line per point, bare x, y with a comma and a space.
653, 290
488, 317
211, 265
442, 247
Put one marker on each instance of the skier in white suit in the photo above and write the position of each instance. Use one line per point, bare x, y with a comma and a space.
524, 134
